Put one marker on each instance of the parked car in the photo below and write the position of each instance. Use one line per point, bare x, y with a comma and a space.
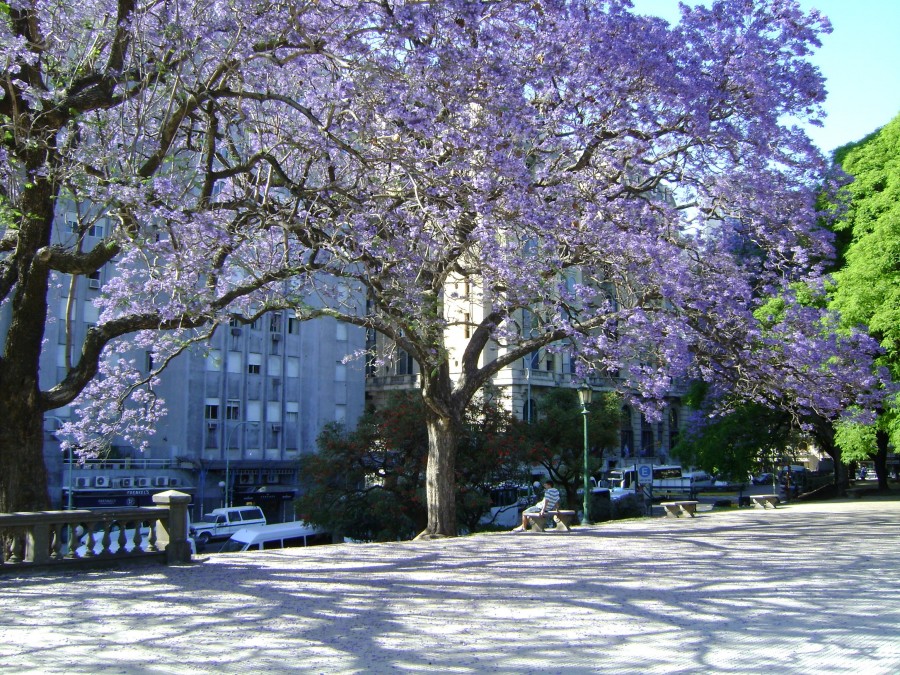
224, 522
762, 479
281, 535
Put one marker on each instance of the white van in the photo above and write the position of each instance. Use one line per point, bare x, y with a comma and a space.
222, 523
280, 535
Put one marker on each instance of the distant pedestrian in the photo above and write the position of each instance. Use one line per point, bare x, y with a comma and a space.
548, 503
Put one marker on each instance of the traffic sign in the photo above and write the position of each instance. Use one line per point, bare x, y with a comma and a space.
645, 472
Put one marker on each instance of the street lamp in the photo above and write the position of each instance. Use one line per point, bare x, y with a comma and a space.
584, 395
228, 458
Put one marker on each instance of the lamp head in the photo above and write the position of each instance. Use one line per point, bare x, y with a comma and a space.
584, 395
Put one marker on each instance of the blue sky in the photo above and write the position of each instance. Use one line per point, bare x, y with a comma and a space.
860, 60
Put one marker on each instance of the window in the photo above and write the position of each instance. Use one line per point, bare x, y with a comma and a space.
550, 363
467, 325
96, 230
291, 416
253, 368
212, 411
233, 409
404, 363
293, 326
667, 472
275, 323
94, 280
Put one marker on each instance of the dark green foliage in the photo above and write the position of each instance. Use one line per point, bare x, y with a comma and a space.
739, 443
557, 436
369, 483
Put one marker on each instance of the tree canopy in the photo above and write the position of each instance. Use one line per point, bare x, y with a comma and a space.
867, 286
606, 171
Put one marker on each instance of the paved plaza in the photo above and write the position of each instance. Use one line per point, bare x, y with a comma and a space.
806, 588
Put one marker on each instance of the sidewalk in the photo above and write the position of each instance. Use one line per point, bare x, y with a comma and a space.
807, 588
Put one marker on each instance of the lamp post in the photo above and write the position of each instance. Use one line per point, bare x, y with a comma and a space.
228, 458
584, 395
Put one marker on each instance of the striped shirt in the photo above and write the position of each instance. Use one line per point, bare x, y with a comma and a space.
551, 499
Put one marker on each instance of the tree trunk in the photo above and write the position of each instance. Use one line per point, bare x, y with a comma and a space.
880, 459
23, 475
440, 476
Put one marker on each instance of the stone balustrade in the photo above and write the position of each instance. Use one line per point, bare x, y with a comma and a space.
81, 537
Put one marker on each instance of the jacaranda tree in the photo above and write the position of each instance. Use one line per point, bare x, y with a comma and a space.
636, 186
153, 132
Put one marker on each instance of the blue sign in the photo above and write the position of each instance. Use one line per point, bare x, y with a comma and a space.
645, 472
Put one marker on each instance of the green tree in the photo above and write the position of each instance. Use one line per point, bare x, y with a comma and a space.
369, 483
557, 436
739, 443
867, 286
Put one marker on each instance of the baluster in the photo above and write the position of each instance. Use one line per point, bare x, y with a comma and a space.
151, 540
16, 548
56, 553
135, 536
123, 539
107, 537
89, 540
72, 536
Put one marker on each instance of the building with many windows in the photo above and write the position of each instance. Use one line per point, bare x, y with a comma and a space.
241, 409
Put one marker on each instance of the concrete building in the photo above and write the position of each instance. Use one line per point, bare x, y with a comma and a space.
241, 410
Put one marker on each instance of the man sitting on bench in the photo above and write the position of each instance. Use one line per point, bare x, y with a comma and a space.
548, 503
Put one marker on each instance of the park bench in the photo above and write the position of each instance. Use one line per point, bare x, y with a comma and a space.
676, 509
540, 521
764, 501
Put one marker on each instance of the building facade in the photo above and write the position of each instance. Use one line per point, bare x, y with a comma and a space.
241, 409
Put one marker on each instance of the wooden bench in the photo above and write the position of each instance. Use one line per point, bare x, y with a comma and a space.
676, 509
764, 501
539, 521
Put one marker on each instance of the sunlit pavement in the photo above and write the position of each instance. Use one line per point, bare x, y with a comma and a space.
807, 588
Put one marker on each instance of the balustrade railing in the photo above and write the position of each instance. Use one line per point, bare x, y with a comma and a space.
70, 538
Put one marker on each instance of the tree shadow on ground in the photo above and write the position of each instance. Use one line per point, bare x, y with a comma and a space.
807, 588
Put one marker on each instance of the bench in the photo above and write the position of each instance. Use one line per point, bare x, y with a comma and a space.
539, 521
764, 501
676, 509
